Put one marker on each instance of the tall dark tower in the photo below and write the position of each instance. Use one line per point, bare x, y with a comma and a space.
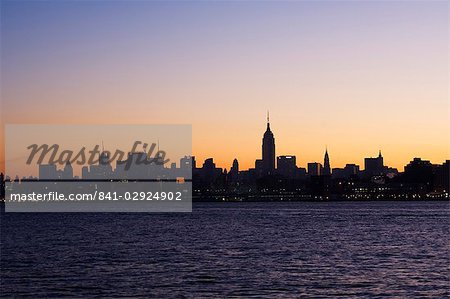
326, 164
380, 159
268, 150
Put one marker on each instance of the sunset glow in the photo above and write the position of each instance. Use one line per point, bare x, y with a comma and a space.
356, 77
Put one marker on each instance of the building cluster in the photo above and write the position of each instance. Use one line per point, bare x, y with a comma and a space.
274, 177
279, 177
137, 166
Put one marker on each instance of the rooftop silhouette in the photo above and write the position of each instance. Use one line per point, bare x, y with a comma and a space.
276, 177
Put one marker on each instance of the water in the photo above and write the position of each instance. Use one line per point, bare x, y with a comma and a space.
232, 249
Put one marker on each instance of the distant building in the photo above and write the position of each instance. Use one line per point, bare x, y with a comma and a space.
268, 151
194, 162
209, 173
287, 166
326, 164
259, 167
104, 169
300, 173
420, 174
187, 162
48, 172
85, 173
314, 169
338, 173
441, 177
374, 166
136, 166
67, 173
351, 170
187, 167
209, 164
234, 171
104, 158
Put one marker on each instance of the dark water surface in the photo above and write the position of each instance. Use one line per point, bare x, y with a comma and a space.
232, 249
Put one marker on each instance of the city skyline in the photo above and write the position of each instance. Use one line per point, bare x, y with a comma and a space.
264, 165
354, 76
230, 148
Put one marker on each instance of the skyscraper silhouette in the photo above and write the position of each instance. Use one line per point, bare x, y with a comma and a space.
326, 164
374, 166
268, 150
234, 171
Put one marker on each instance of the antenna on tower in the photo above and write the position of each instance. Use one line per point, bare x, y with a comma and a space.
267, 116
103, 148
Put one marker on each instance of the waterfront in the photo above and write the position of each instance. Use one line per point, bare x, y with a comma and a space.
231, 249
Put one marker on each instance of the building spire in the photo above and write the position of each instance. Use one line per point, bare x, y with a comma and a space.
268, 121
326, 163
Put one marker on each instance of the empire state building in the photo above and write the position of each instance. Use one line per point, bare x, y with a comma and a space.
268, 151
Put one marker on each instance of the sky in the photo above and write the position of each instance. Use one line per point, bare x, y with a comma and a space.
353, 76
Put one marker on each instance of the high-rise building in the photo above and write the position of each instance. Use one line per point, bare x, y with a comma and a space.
209, 172
326, 164
67, 173
441, 177
287, 166
338, 173
209, 164
300, 173
104, 158
351, 170
374, 166
268, 151
314, 169
85, 172
104, 168
187, 162
48, 172
187, 167
259, 167
234, 170
419, 171
235, 167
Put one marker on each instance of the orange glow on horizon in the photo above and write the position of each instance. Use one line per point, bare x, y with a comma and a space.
357, 77
213, 142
